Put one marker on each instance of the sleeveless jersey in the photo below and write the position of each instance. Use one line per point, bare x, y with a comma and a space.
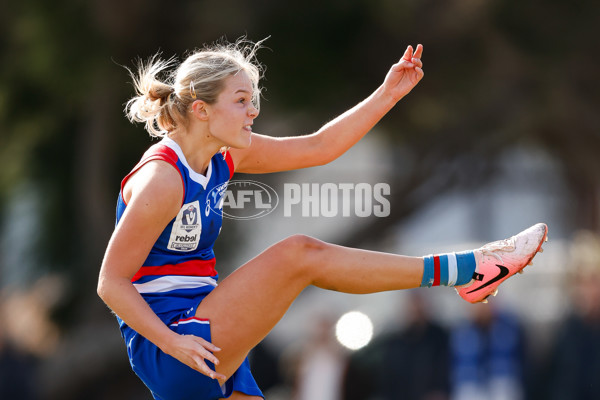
181, 265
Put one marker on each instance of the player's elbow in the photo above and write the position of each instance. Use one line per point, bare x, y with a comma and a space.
321, 159
322, 152
101, 288
105, 288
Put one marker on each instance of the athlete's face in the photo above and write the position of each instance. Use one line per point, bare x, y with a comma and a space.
231, 117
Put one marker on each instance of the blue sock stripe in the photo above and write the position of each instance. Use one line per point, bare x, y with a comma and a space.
443, 270
466, 267
465, 264
427, 280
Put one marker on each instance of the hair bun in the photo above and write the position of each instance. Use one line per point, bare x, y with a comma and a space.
159, 91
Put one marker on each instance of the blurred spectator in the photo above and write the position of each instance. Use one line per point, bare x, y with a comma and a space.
321, 364
488, 356
574, 368
17, 368
409, 364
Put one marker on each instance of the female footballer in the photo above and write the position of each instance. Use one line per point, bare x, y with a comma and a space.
186, 336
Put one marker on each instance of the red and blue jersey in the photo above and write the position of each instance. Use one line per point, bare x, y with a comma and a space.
181, 265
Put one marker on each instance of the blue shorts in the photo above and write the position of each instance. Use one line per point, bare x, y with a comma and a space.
170, 379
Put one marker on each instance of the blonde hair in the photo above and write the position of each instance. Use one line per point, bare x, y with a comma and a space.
164, 93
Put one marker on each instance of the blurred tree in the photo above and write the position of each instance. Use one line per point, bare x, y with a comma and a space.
498, 74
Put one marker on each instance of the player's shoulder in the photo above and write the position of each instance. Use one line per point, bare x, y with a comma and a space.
161, 172
166, 149
156, 180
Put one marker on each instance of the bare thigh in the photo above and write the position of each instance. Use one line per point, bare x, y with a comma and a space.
248, 303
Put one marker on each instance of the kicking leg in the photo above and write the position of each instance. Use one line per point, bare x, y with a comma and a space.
248, 303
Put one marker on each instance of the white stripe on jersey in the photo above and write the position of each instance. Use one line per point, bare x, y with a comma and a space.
174, 282
452, 269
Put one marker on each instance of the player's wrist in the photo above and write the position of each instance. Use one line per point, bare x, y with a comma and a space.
385, 97
167, 342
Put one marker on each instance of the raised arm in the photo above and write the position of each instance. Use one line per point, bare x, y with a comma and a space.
271, 154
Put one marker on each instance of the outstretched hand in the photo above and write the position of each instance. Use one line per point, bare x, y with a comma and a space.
405, 74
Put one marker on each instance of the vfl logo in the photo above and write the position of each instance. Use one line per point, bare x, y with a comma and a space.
190, 216
187, 227
503, 272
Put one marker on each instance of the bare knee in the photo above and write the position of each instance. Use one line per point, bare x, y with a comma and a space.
301, 244
301, 251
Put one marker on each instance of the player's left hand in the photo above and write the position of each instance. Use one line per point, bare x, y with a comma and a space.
405, 74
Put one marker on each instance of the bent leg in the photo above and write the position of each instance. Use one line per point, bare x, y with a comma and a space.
246, 305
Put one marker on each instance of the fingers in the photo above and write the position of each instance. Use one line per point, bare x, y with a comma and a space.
417, 62
416, 57
418, 51
408, 54
207, 355
206, 349
420, 73
201, 367
410, 59
201, 352
206, 344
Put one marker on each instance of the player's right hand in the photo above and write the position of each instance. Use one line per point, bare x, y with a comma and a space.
193, 351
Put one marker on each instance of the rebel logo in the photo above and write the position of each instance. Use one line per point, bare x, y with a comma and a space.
186, 238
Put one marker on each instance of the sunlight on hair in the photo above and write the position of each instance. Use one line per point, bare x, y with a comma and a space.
354, 330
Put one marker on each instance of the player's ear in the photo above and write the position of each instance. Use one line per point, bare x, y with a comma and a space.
199, 110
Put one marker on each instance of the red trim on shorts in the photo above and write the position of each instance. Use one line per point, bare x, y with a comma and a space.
191, 319
436, 270
188, 268
196, 318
